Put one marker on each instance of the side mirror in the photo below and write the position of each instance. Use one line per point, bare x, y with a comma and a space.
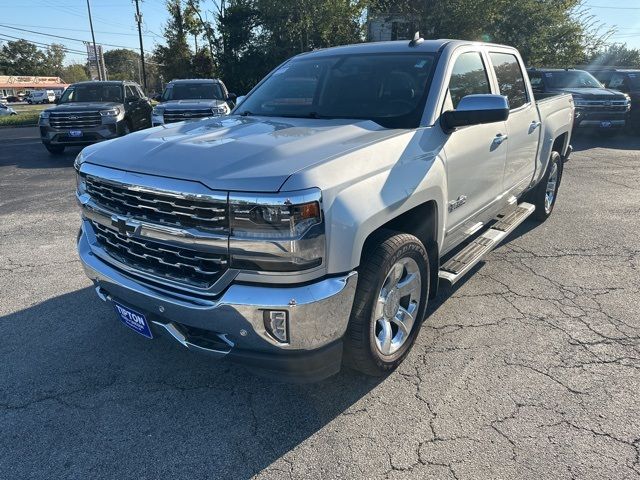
56, 101
132, 99
475, 110
232, 97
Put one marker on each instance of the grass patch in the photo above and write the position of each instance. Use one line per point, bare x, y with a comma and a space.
30, 108
22, 119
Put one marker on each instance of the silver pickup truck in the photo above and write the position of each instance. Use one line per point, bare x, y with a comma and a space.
311, 226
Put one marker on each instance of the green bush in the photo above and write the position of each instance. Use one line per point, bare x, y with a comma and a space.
21, 119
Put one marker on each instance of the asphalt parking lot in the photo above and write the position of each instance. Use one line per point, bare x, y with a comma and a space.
528, 369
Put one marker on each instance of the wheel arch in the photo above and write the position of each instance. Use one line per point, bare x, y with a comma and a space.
422, 222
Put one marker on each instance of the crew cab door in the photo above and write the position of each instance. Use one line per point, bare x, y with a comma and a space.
475, 155
523, 124
134, 107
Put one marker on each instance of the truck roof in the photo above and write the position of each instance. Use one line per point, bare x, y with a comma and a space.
193, 80
107, 82
396, 46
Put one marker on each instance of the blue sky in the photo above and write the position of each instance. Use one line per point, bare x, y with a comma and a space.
114, 21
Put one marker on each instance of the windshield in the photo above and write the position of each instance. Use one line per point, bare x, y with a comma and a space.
390, 89
193, 91
571, 79
93, 92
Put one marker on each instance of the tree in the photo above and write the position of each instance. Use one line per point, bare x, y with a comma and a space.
74, 73
122, 64
616, 55
54, 60
21, 58
175, 55
546, 32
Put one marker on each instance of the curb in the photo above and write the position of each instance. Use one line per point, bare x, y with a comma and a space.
18, 126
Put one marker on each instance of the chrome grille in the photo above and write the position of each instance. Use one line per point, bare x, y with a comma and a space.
171, 116
196, 268
75, 119
605, 105
160, 208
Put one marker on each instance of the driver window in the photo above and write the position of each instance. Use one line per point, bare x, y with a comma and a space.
469, 77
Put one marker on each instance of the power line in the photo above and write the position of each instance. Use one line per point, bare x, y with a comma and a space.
607, 7
59, 36
11, 38
75, 29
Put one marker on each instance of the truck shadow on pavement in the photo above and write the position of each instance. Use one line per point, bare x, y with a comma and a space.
627, 140
74, 377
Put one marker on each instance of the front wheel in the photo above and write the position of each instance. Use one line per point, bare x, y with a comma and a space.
389, 305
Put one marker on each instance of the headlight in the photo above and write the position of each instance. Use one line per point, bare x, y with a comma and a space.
159, 111
221, 110
580, 102
276, 233
81, 184
78, 161
44, 118
112, 112
628, 101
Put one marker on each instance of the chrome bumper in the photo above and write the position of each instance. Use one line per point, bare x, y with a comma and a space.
318, 312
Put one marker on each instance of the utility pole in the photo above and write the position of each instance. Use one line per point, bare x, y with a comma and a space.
95, 49
139, 20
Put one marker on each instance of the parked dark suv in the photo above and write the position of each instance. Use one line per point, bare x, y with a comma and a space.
624, 80
90, 112
192, 99
596, 106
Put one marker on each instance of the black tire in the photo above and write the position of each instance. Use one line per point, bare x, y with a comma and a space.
537, 196
381, 253
54, 149
126, 128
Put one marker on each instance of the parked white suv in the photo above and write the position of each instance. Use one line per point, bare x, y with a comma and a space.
314, 223
41, 96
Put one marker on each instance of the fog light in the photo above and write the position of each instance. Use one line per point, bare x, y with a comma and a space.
277, 324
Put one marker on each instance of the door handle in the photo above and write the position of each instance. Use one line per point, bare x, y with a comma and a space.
500, 138
535, 124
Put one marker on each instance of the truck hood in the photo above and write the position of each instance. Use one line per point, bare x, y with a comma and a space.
254, 154
85, 107
186, 104
594, 93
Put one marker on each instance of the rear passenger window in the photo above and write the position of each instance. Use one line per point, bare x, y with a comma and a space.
468, 77
510, 79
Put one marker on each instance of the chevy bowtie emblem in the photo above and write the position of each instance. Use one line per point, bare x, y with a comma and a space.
124, 225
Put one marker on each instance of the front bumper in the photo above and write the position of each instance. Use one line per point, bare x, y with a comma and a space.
232, 325
90, 135
585, 118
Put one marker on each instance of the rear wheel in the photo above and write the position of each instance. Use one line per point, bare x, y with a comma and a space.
544, 195
390, 302
54, 149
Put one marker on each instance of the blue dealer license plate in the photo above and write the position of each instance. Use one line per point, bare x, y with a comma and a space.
133, 320
75, 133
605, 124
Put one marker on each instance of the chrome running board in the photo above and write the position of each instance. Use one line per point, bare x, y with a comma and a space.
506, 222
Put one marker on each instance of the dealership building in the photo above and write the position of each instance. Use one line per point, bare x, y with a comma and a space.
12, 85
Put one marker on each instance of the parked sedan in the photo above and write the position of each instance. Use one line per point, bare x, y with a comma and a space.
5, 110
